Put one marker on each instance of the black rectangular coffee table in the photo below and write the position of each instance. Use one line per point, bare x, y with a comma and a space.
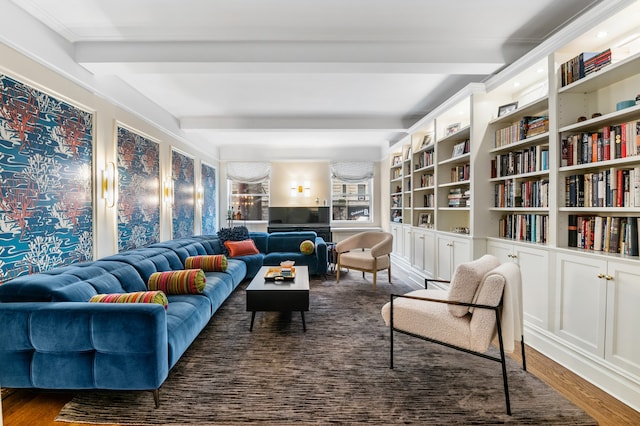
279, 296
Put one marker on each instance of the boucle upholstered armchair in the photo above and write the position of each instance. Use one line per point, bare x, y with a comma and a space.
368, 251
483, 302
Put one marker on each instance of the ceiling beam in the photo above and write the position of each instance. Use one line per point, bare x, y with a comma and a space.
439, 57
320, 124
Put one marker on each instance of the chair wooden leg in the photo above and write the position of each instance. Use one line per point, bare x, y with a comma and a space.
375, 274
389, 270
338, 270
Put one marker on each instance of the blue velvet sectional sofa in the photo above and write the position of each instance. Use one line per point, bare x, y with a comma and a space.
51, 337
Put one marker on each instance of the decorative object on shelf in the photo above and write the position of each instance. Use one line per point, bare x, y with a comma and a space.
625, 104
426, 140
451, 129
397, 159
581, 119
424, 220
507, 108
458, 149
596, 115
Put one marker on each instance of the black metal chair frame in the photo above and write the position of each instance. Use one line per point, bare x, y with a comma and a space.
497, 309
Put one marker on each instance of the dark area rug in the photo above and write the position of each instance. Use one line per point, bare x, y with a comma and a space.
335, 372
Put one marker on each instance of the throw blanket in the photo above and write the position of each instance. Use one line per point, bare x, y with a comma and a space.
511, 319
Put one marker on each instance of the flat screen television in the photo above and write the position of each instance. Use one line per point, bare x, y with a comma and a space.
298, 215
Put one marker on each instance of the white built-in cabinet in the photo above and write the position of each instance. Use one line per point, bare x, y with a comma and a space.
581, 305
451, 251
597, 302
534, 265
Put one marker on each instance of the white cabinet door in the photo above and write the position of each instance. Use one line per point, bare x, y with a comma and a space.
417, 254
396, 231
623, 316
429, 253
502, 250
581, 301
423, 254
534, 268
451, 252
406, 238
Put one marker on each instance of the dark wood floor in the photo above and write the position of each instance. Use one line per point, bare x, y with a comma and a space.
32, 408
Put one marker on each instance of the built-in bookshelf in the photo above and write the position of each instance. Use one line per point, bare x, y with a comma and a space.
519, 162
395, 187
424, 178
599, 152
542, 167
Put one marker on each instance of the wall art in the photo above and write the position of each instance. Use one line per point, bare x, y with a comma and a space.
46, 168
138, 190
182, 172
209, 197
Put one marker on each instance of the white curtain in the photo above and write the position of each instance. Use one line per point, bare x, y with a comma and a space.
352, 171
248, 172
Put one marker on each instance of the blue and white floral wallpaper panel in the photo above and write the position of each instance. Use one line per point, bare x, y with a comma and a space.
138, 190
182, 169
46, 167
209, 196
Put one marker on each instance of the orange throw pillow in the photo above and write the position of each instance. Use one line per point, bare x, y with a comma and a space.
241, 248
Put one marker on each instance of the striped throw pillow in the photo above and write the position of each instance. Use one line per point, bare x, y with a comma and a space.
188, 281
135, 297
208, 263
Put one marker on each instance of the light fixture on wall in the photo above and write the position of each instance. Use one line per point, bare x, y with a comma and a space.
109, 184
200, 195
299, 190
168, 191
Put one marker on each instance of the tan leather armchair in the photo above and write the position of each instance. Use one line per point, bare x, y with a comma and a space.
368, 251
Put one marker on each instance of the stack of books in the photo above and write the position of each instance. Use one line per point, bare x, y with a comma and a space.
459, 198
583, 64
595, 63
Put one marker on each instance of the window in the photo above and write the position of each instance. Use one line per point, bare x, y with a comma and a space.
248, 201
351, 201
248, 189
351, 189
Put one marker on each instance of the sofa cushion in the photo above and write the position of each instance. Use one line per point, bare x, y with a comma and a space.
188, 281
307, 247
241, 248
135, 297
208, 263
465, 282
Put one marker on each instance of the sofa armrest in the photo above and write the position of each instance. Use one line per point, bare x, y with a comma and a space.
321, 253
81, 345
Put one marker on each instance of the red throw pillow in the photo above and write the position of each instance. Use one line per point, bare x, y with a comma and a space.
241, 248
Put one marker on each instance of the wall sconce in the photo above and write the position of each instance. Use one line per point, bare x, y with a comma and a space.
200, 195
168, 191
109, 184
303, 189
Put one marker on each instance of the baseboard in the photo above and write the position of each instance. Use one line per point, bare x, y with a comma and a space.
607, 377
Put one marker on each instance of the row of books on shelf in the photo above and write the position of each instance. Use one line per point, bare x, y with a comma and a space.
533, 228
614, 187
527, 127
459, 197
533, 159
460, 173
426, 180
532, 193
584, 64
396, 173
609, 234
608, 143
424, 159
